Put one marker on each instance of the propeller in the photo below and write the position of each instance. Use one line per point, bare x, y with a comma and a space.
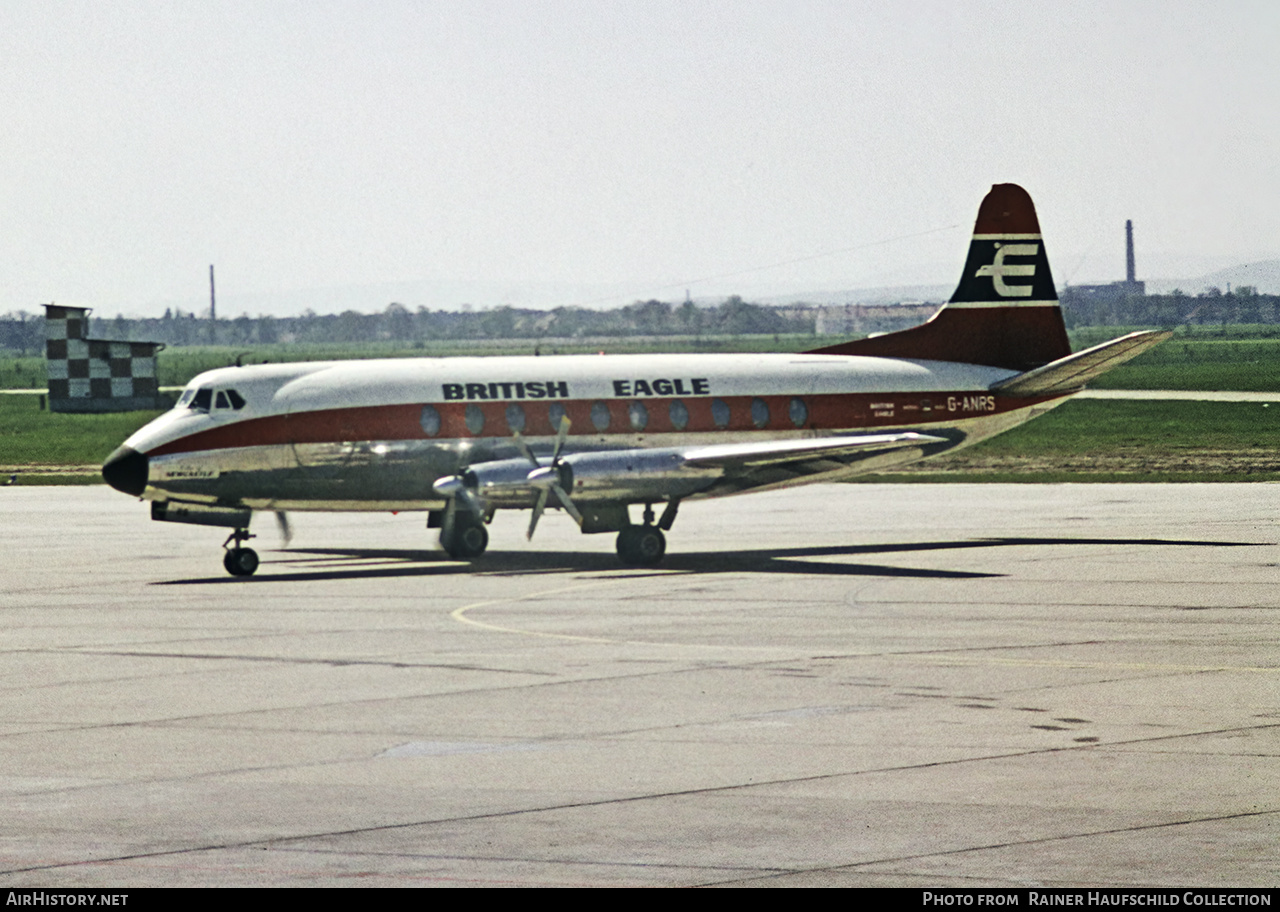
550, 478
286, 528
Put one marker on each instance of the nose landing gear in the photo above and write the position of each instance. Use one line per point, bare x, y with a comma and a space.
239, 561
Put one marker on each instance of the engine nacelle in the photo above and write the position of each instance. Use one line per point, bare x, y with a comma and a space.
500, 478
633, 475
630, 476
500, 483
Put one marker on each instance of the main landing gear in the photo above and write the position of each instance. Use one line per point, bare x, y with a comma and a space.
641, 546
239, 561
644, 545
463, 535
466, 538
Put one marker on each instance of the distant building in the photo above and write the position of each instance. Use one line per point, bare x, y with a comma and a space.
1113, 292
96, 375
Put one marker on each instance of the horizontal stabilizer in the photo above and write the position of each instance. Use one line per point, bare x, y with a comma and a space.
775, 452
1074, 371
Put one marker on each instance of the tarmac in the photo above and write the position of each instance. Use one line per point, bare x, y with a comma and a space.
857, 685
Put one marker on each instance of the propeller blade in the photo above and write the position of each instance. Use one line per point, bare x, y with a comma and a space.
286, 529
450, 516
537, 513
524, 448
562, 434
544, 477
472, 502
547, 478
566, 502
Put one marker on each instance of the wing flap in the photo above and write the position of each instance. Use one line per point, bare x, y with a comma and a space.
1074, 371
777, 452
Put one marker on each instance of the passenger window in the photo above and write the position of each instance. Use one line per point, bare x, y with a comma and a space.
720, 413
799, 412
678, 414
515, 418
430, 420
759, 413
639, 416
556, 412
600, 416
474, 419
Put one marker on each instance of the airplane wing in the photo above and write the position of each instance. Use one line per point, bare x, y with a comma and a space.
1074, 371
778, 452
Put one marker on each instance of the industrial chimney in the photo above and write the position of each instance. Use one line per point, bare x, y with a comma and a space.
1130, 271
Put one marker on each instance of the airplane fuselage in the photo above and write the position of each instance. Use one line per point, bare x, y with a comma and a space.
375, 435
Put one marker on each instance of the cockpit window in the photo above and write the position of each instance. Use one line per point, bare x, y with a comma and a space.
207, 398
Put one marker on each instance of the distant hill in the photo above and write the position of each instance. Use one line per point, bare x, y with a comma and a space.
1263, 275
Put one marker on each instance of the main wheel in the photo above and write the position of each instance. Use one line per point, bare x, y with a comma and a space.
240, 561
641, 546
465, 541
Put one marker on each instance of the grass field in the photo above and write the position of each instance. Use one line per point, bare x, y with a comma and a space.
1194, 363
49, 448
1118, 440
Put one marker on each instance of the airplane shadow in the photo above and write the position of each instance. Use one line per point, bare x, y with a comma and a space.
320, 564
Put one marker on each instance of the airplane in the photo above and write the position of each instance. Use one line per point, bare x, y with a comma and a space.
596, 435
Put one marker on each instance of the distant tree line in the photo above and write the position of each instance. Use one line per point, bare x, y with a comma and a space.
24, 331
1212, 307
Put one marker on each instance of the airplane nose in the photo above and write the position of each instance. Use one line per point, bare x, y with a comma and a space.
126, 470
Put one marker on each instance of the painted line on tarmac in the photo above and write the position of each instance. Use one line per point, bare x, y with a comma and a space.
460, 615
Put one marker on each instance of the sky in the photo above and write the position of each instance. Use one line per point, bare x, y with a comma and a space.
593, 153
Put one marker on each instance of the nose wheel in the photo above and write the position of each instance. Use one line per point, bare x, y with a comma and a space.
239, 561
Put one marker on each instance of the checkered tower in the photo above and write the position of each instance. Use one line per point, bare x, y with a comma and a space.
96, 375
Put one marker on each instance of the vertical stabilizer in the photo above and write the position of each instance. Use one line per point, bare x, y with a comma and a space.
1004, 312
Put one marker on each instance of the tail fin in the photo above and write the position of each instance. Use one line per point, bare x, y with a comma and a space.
1004, 312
